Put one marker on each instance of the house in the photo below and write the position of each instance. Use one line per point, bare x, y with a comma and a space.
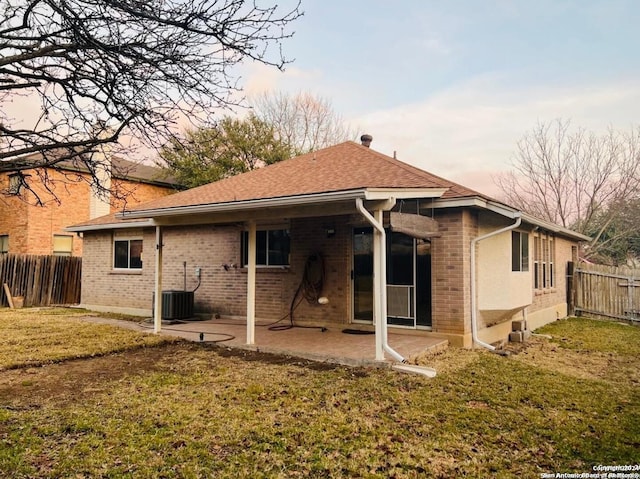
68, 198
342, 237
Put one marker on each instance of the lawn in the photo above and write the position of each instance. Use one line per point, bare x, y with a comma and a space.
188, 410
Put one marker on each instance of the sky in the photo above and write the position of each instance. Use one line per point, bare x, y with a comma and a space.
451, 86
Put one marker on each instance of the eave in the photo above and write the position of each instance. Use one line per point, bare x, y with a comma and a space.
327, 198
511, 213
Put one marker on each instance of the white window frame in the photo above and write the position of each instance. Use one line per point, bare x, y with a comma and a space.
544, 258
522, 246
128, 240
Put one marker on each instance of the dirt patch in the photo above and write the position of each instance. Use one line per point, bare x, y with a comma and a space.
71, 381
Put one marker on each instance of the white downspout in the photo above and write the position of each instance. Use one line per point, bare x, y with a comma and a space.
474, 309
377, 224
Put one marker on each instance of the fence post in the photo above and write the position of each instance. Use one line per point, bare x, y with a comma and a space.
571, 294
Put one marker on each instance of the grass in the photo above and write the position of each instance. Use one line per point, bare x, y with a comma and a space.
28, 338
186, 411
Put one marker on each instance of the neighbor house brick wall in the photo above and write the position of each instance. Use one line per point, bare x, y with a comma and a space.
451, 295
31, 228
135, 193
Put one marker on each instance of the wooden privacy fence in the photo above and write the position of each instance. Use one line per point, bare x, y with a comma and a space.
41, 280
607, 291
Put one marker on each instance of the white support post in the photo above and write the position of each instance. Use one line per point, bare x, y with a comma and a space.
157, 302
251, 284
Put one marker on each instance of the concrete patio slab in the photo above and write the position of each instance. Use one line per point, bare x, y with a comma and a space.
331, 345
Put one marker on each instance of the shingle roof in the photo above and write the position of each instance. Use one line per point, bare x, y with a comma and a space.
346, 166
121, 169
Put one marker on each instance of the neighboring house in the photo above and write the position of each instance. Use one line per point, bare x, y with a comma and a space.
28, 228
445, 260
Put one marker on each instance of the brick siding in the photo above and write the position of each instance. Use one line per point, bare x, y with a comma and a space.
31, 228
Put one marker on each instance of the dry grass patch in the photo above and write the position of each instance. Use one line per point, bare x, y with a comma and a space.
187, 410
32, 337
586, 348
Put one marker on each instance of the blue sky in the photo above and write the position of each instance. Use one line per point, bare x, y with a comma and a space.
452, 85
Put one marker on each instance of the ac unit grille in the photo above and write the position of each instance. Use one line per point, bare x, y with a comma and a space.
177, 304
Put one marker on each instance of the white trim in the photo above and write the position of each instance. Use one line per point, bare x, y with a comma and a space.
296, 200
509, 212
148, 223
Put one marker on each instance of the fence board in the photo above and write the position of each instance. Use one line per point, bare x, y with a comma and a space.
41, 280
608, 291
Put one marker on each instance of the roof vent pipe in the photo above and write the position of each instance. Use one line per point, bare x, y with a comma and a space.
366, 140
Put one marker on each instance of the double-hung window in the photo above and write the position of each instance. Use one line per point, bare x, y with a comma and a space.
127, 254
62, 245
4, 244
544, 251
519, 251
272, 247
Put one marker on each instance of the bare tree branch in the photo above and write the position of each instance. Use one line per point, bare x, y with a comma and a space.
577, 179
303, 121
126, 67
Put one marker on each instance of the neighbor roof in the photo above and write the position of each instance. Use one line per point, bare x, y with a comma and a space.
121, 169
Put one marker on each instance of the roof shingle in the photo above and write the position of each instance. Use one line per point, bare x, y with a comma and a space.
346, 166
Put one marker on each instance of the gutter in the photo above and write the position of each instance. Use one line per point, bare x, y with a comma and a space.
509, 212
283, 201
143, 223
474, 308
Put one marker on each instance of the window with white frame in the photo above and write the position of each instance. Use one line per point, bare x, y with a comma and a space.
127, 253
519, 251
272, 247
4, 244
62, 245
544, 252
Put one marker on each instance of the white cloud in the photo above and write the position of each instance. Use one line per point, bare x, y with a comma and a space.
474, 127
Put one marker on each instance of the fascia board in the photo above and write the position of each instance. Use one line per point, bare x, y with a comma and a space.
330, 197
111, 226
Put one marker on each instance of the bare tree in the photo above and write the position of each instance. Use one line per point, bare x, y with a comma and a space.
575, 178
303, 121
101, 69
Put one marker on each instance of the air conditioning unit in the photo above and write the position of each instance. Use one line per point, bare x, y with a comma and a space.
177, 304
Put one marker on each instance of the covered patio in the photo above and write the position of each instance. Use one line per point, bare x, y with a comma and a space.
331, 345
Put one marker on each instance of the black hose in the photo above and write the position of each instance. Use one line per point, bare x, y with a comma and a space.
310, 288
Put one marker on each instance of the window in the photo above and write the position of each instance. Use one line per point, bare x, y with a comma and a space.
519, 251
272, 248
62, 245
544, 252
16, 182
127, 254
4, 244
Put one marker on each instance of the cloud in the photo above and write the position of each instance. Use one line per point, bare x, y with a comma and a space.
474, 126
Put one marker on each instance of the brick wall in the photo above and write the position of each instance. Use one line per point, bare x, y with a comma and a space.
451, 294
223, 289
135, 193
102, 286
31, 228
